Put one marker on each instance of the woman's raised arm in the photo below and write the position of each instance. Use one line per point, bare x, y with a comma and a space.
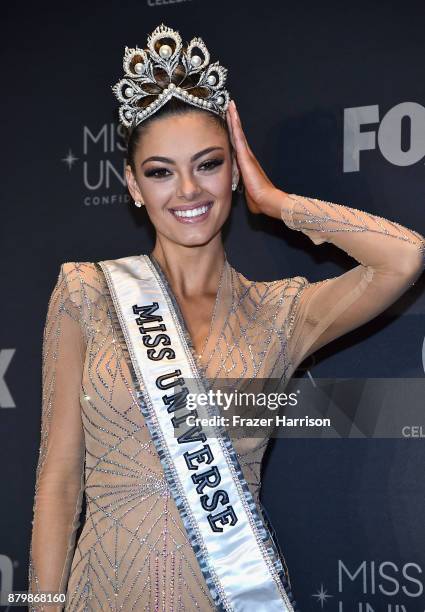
390, 256
59, 476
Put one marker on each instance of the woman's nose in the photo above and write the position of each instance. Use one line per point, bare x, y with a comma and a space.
188, 188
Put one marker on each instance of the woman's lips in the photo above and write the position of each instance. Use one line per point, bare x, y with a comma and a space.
190, 215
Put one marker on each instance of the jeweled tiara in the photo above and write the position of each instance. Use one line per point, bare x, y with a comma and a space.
166, 69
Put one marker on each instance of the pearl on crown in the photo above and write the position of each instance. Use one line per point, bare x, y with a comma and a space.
220, 100
128, 91
138, 68
196, 60
211, 80
165, 51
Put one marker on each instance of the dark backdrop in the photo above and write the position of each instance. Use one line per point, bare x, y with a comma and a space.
310, 80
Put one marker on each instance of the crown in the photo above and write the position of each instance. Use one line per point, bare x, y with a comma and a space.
166, 69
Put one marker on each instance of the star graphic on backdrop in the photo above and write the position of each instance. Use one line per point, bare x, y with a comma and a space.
69, 159
321, 595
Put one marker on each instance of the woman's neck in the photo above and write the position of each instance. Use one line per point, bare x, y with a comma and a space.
191, 271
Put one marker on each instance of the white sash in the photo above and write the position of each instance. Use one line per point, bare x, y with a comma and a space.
242, 573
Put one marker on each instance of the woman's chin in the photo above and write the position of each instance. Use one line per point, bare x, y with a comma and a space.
193, 236
195, 241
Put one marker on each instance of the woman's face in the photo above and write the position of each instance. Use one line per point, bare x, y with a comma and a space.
184, 162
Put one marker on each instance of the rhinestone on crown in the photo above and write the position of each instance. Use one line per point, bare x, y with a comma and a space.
165, 52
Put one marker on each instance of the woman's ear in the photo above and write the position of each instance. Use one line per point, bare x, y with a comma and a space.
132, 185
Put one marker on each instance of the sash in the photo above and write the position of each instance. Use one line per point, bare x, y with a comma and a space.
216, 506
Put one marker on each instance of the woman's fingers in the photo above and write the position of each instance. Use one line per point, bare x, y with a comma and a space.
255, 179
242, 151
245, 154
239, 130
229, 125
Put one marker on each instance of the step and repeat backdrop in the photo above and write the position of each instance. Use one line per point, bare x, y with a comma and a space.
332, 99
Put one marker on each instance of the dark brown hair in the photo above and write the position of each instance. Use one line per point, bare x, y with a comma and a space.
174, 106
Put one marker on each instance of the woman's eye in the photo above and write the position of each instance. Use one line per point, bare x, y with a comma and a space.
156, 172
212, 163
161, 172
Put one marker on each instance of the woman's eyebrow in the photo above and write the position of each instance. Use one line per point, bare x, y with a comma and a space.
167, 160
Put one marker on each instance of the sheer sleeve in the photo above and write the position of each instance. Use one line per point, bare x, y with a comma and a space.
390, 259
59, 474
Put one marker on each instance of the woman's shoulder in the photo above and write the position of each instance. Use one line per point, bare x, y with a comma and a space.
76, 272
272, 300
87, 276
84, 280
288, 284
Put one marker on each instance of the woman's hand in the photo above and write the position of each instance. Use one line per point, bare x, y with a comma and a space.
260, 193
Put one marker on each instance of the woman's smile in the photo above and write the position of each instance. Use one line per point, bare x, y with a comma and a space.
195, 213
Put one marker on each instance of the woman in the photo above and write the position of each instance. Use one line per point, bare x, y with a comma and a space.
115, 328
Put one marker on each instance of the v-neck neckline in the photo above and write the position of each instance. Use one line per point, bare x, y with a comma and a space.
181, 318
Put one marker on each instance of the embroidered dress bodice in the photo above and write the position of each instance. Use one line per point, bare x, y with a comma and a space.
133, 552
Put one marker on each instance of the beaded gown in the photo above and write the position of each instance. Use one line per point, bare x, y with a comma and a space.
133, 552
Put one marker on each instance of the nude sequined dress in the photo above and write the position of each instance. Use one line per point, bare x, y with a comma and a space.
133, 552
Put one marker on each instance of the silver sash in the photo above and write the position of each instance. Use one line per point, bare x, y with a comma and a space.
242, 573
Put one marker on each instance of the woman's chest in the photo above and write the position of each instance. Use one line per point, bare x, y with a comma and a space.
110, 403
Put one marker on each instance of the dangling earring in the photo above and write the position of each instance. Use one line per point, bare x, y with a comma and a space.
234, 185
138, 203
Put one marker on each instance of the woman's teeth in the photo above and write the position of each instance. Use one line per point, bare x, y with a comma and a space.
195, 212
